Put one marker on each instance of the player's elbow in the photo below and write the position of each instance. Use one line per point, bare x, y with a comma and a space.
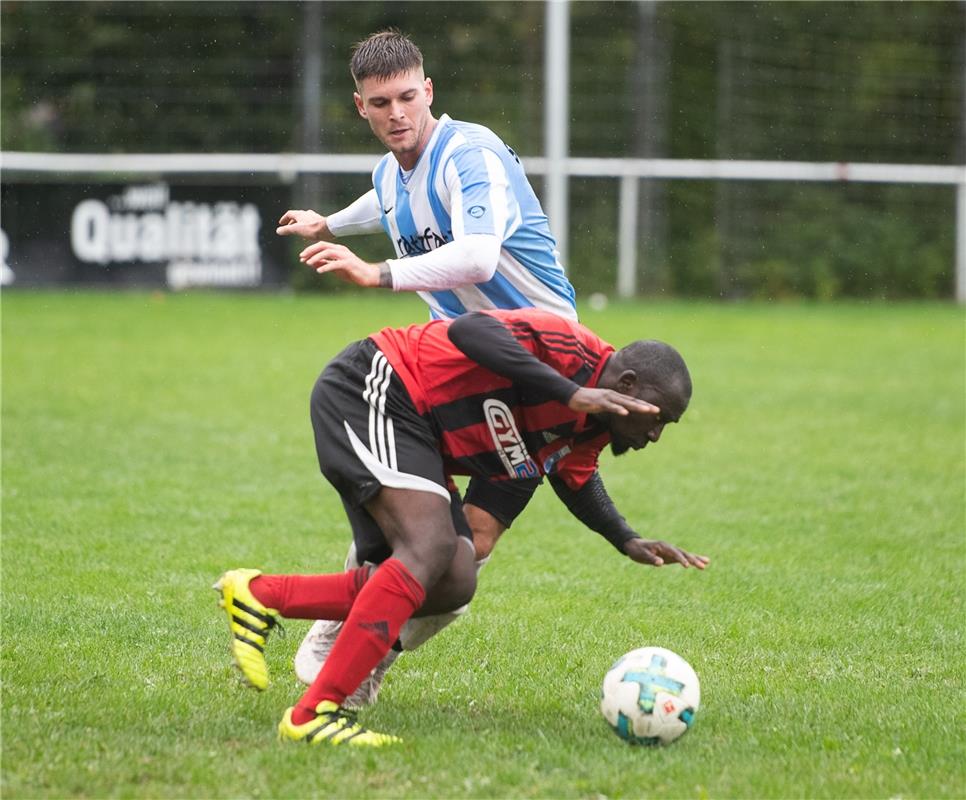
465, 330
481, 257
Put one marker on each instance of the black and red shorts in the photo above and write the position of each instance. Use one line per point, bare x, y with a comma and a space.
368, 434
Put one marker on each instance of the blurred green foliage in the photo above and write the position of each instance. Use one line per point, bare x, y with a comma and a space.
872, 82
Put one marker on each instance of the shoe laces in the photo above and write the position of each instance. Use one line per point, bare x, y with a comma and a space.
350, 716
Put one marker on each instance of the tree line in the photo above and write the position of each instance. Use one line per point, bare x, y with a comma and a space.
804, 81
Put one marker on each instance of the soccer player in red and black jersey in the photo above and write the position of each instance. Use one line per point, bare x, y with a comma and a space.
509, 395
468, 233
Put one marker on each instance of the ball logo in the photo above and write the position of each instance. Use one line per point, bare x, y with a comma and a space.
653, 680
507, 440
476, 211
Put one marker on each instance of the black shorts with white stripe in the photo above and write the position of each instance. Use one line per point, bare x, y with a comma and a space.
368, 435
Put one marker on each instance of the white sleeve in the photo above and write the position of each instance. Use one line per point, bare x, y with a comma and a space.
363, 216
465, 261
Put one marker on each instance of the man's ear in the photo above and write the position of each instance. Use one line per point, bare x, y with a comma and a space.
360, 106
627, 382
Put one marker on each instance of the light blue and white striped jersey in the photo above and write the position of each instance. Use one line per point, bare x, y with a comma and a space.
467, 181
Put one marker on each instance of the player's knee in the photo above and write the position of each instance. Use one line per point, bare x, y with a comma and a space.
462, 573
439, 553
456, 587
484, 543
463, 591
486, 528
433, 552
418, 527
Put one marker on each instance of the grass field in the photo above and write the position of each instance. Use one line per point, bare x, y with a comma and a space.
152, 441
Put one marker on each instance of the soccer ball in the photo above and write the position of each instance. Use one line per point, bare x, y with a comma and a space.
650, 696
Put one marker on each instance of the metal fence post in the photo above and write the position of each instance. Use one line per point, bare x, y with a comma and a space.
627, 237
556, 118
961, 242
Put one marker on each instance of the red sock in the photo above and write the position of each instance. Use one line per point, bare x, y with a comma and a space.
389, 598
310, 596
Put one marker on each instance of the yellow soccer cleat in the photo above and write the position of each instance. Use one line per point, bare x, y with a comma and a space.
250, 623
333, 725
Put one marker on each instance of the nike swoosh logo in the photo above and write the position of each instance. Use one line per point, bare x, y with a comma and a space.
387, 210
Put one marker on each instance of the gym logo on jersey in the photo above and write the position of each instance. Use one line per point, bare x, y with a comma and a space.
509, 444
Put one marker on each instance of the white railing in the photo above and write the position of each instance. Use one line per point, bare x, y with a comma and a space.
628, 172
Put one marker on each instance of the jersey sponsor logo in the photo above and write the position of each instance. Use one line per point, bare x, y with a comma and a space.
420, 243
507, 440
550, 462
476, 211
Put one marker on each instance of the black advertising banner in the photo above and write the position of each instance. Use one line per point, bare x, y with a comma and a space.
143, 234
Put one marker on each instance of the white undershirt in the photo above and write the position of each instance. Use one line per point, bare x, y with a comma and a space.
362, 216
467, 260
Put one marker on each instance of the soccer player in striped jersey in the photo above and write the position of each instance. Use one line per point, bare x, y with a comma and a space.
467, 228
468, 233
506, 395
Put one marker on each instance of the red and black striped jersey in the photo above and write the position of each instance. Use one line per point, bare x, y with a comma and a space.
486, 423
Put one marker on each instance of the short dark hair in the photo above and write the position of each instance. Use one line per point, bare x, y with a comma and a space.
384, 54
659, 365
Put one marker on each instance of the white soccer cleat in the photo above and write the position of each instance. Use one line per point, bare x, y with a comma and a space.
368, 690
315, 649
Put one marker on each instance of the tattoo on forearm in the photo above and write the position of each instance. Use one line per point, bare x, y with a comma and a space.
385, 276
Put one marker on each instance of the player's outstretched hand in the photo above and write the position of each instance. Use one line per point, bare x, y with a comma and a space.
303, 222
594, 401
326, 257
655, 553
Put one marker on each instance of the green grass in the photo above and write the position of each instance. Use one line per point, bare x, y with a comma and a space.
151, 441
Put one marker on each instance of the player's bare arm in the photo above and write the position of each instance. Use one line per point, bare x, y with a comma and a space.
305, 223
593, 506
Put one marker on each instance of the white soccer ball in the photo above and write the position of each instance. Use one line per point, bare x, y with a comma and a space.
650, 696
